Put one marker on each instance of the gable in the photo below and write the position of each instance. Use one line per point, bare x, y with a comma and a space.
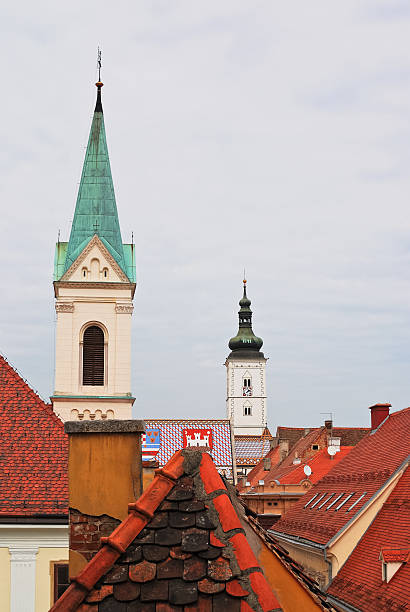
95, 264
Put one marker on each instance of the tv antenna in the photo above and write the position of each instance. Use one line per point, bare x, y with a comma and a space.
308, 470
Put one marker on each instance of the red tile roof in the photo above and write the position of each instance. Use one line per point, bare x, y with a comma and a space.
182, 544
258, 472
360, 475
34, 457
395, 555
359, 582
321, 463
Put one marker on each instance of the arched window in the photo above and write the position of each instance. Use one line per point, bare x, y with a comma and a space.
93, 356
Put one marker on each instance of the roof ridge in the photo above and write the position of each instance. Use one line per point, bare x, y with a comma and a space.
227, 530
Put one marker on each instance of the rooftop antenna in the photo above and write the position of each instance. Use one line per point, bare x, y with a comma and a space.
132, 238
58, 237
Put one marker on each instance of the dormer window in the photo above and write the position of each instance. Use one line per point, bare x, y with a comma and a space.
392, 559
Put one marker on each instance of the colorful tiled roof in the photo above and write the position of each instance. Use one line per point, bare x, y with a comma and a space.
34, 457
172, 438
250, 450
359, 582
342, 493
182, 547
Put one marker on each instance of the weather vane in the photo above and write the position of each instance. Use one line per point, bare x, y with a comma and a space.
99, 63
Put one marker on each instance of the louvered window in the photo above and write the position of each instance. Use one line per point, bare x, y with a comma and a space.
93, 356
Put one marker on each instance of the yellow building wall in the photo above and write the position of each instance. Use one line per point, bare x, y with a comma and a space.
342, 548
4, 579
44, 585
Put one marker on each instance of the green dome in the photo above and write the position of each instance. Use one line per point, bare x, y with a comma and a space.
245, 339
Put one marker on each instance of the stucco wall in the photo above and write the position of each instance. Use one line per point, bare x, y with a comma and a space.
44, 584
4, 579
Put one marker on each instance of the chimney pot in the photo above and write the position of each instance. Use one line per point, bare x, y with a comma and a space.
329, 424
283, 448
378, 413
267, 464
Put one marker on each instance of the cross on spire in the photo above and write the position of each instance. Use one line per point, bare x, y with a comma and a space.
96, 226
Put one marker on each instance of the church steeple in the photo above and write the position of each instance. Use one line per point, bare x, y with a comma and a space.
96, 208
245, 339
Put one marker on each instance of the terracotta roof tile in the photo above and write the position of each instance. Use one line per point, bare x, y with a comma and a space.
196, 565
360, 474
359, 582
321, 463
34, 459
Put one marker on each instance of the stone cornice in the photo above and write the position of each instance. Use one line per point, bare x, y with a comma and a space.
124, 308
93, 285
32, 537
64, 307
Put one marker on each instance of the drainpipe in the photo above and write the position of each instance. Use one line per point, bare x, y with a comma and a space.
329, 569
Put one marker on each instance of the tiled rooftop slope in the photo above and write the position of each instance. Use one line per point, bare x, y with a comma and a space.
342, 493
34, 453
182, 547
359, 582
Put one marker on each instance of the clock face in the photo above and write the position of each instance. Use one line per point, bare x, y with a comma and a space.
247, 391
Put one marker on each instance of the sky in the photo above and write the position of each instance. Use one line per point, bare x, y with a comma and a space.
268, 135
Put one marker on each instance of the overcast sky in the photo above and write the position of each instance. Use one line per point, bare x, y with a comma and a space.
266, 134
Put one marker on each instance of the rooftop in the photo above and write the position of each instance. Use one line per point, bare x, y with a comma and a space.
182, 544
340, 495
359, 582
34, 452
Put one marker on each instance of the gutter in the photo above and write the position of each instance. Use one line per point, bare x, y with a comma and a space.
297, 540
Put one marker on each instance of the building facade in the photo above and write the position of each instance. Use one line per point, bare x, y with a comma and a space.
94, 284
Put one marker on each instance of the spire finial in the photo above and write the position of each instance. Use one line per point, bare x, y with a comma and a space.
99, 63
99, 84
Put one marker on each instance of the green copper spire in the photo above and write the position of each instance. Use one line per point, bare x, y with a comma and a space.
96, 209
245, 339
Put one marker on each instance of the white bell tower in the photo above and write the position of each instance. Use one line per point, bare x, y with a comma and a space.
94, 285
245, 371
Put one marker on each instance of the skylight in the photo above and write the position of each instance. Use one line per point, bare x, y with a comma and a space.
310, 500
325, 502
344, 501
334, 501
356, 502
318, 500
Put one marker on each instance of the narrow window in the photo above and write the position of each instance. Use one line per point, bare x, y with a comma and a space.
247, 410
61, 581
93, 356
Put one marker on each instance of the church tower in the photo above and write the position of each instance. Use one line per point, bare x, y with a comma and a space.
94, 285
245, 371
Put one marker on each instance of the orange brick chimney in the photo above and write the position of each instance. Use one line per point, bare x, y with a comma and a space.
104, 475
378, 413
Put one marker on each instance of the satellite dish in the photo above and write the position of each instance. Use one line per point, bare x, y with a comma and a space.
332, 450
308, 470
